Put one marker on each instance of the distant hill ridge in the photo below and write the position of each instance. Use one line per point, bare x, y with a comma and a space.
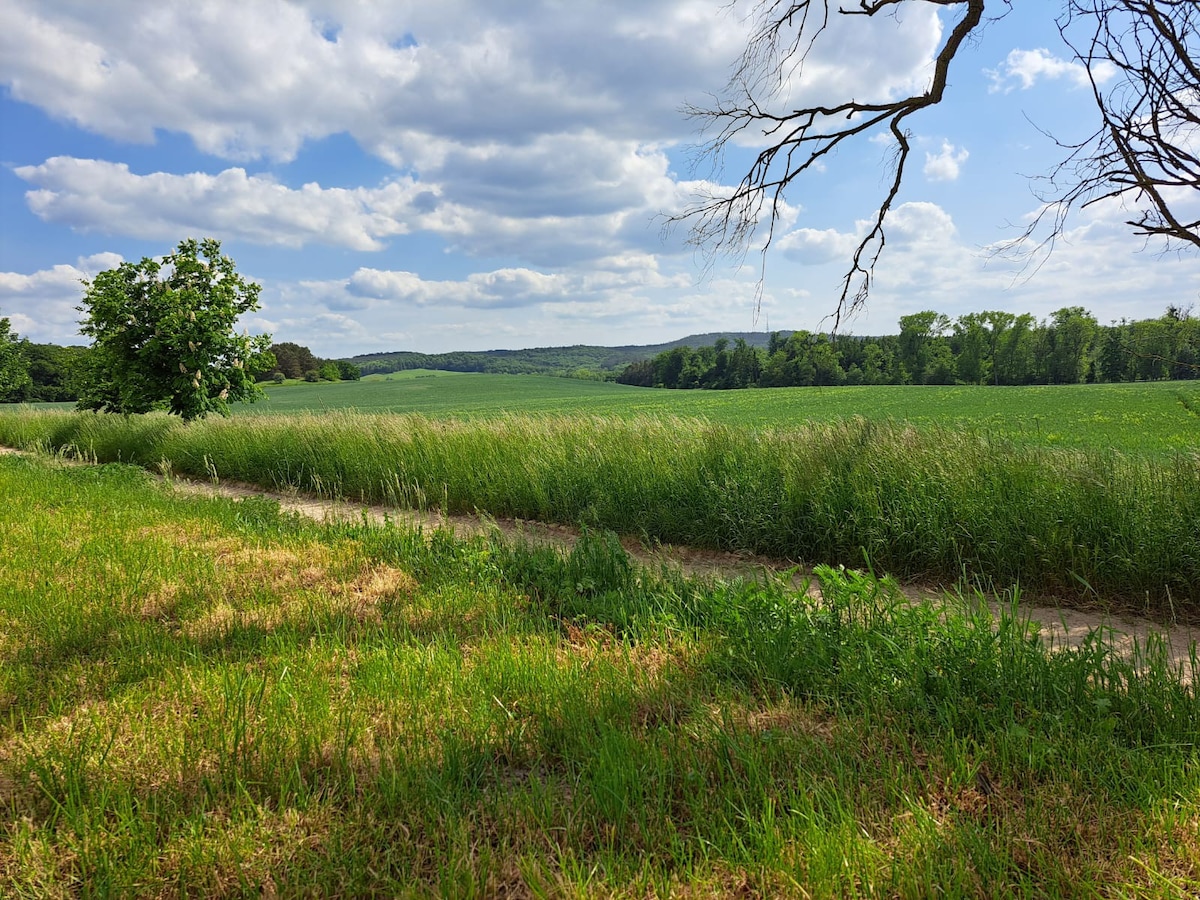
576, 359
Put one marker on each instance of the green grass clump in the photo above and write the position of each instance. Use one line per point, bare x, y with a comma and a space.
205, 698
928, 502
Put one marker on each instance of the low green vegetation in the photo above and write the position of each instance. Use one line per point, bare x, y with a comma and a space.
206, 698
1158, 418
929, 502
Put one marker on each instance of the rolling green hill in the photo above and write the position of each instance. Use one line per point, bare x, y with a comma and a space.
542, 360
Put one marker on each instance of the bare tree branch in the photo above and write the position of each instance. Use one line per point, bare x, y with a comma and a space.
1145, 151
802, 138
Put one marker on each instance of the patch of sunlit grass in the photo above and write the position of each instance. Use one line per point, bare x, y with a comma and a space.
223, 701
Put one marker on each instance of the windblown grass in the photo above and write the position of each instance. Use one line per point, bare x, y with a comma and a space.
928, 502
204, 698
1145, 418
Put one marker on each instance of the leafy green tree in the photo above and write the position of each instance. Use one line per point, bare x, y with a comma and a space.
14, 370
1073, 329
744, 366
53, 371
348, 371
875, 364
998, 323
669, 365
920, 334
1113, 359
639, 374
826, 363
163, 335
940, 367
1014, 352
971, 337
293, 360
1152, 350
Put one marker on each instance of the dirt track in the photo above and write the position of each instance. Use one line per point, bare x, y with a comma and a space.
1061, 626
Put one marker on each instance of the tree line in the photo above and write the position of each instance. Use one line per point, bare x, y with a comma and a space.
50, 373
297, 361
992, 347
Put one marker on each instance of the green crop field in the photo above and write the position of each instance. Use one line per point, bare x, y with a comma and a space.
930, 501
1155, 417
1151, 417
205, 698
1084, 492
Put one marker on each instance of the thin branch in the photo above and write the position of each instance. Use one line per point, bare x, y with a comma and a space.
799, 140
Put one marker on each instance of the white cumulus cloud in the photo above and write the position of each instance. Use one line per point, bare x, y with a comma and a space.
1025, 68
94, 195
42, 306
946, 164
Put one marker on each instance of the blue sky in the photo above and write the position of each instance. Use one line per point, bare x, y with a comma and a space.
478, 175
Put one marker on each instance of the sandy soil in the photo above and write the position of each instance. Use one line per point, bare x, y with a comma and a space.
1060, 625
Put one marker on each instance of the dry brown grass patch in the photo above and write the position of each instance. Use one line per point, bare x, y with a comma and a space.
234, 852
785, 716
268, 586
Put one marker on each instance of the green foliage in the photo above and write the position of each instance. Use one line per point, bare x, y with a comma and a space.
990, 347
54, 372
14, 368
163, 335
298, 362
935, 501
211, 698
293, 360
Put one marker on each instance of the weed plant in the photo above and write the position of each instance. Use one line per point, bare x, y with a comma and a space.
928, 502
205, 698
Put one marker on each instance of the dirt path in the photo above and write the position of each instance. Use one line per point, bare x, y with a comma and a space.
1060, 626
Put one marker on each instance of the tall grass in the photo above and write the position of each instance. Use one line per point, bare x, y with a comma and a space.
916, 502
206, 698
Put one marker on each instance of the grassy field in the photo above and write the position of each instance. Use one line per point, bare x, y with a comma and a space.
925, 502
1145, 418
203, 698
1155, 417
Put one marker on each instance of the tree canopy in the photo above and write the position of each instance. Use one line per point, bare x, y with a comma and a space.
14, 368
163, 335
990, 347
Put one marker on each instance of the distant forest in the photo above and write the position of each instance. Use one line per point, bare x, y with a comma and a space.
55, 372
999, 348
980, 348
578, 361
